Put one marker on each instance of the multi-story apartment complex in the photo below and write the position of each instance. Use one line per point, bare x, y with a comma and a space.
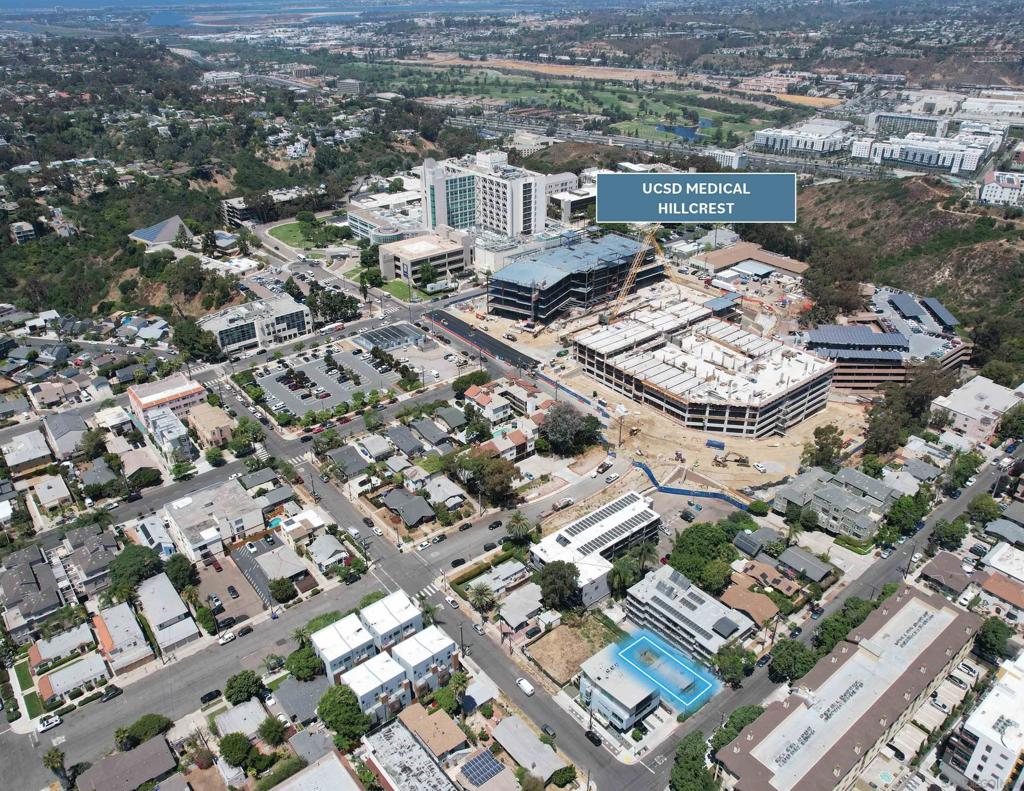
987, 750
855, 699
1002, 188
974, 409
709, 374
169, 434
891, 123
176, 392
259, 324
343, 645
962, 153
615, 693
21, 232
848, 502
542, 285
485, 192
446, 253
811, 138
672, 607
380, 686
591, 543
428, 658
202, 522
391, 619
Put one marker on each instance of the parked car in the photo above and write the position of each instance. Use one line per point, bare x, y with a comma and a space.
532, 632
795, 632
548, 730
368, 522
688, 515
764, 660
525, 685
594, 738
377, 531
489, 546
226, 623
944, 708
451, 602
217, 566
215, 602
979, 549
232, 591
244, 631
458, 562
612, 478
439, 538
110, 692
760, 467
963, 667
479, 629
465, 526
816, 614
53, 720
210, 696
225, 638
269, 538
494, 525
251, 546
958, 682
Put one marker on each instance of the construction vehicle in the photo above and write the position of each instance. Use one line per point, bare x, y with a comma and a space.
722, 460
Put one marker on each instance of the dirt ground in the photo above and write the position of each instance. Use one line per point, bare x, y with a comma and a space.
561, 651
551, 69
809, 101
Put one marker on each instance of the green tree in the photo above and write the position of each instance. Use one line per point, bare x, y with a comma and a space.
466, 381
992, 639
689, 770
738, 720
271, 731
791, 660
560, 586
519, 528
214, 457
428, 274
983, 509
872, 465
235, 748
132, 565
568, 430
950, 535
830, 631
304, 664
181, 470
339, 710
282, 589
243, 686
53, 759
734, 663
625, 571
1011, 425
563, 776
824, 452
93, 444
180, 572
481, 597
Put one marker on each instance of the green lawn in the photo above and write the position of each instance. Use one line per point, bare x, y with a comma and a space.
24, 676
353, 274
33, 704
291, 234
431, 463
403, 291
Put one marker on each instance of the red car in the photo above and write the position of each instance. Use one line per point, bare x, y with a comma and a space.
318, 430
217, 566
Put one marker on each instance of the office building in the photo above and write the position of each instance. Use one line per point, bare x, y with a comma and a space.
428, 658
594, 541
166, 613
810, 138
382, 217
891, 123
349, 87
987, 750
734, 160
617, 695
380, 686
962, 153
974, 409
709, 374
1002, 188
202, 522
672, 607
447, 254
485, 192
847, 503
259, 324
855, 699
221, 78
542, 285
573, 204
342, 645
176, 392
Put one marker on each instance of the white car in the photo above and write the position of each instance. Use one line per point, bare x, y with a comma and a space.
525, 685
971, 481
251, 546
225, 638
424, 545
234, 476
916, 557
451, 602
612, 478
48, 722
760, 467
377, 531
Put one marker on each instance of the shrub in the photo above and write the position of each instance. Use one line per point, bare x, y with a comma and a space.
90, 698
66, 710
203, 758
235, 748
284, 770
637, 735
487, 709
758, 508
562, 777
76, 693
13, 714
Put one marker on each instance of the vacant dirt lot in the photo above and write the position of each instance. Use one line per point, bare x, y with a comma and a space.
551, 69
808, 101
561, 651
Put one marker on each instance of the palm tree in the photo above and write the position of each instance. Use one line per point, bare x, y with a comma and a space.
301, 635
53, 760
643, 554
190, 595
481, 597
458, 684
622, 574
793, 529
429, 612
519, 527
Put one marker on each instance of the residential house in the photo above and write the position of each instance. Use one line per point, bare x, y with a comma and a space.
282, 563
97, 474
756, 606
72, 676
299, 699
150, 531
753, 542
492, 405
26, 453
89, 565
403, 439
380, 686
170, 435
945, 574
442, 490
1003, 595
29, 592
166, 613
803, 562
121, 640
14, 407
374, 447
431, 433
42, 653
52, 493
141, 766
326, 551
114, 419
428, 657
521, 606
526, 748
342, 645
415, 478
348, 462
453, 419
503, 577
326, 772
244, 718
514, 445
303, 526
265, 478
412, 509
436, 731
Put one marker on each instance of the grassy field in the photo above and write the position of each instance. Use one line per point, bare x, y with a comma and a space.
24, 675
33, 704
403, 291
291, 234
353, 274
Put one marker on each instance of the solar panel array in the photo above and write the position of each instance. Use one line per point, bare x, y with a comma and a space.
613, 507
596, 544
906, 305
696, 628
938, 310
482, 768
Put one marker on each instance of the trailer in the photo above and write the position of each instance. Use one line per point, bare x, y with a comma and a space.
717, 444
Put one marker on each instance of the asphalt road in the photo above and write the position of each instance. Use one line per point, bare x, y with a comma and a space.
455, 327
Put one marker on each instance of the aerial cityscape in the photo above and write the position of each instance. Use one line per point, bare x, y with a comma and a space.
475, 396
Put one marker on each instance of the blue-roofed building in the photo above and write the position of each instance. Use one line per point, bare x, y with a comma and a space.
164, 232
541, 285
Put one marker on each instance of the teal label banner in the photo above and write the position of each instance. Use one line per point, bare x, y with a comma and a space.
696, 197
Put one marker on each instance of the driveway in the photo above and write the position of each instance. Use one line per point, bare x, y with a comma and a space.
251, 570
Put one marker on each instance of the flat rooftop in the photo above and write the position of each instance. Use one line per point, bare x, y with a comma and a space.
1007, 559
407, 763
421, 246
546, 267
643, 326
717, 361
616, 678
173, 386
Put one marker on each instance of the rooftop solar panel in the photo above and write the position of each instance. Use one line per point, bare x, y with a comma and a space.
837, 335
879, 355
938, 310
482, 768
906, 305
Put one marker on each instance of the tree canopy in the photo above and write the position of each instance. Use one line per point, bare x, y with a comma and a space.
339, 710
560, 586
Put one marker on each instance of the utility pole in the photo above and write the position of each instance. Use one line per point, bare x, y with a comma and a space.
462, 642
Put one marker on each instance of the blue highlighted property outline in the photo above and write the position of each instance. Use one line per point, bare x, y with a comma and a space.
659, 664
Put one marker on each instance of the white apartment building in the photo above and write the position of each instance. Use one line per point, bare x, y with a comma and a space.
987, 750
392, 619
343, 645
169, 434
259, 324
175, 392
380, 686
962, 153
428, 659
483, 191
1002, 188
975, 408
735, 160
811, 138
674, 608
591, 543
202, 522
618, 696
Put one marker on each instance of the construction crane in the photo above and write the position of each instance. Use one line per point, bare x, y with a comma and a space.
650, 240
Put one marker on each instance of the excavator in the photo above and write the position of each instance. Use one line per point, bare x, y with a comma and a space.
722, 460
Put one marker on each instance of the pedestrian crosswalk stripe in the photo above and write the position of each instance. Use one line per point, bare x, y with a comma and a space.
430, 590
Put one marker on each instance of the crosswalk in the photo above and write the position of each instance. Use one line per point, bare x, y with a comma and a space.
428, 591
302, 458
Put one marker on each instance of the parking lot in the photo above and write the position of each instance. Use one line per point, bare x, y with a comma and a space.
245, 607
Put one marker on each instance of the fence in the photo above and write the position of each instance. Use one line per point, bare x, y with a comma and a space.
688, 492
